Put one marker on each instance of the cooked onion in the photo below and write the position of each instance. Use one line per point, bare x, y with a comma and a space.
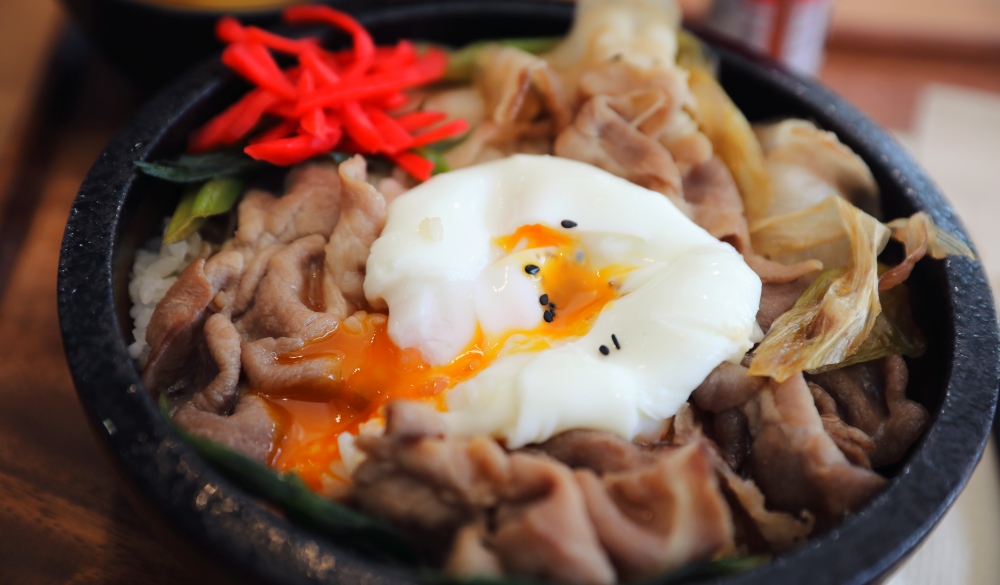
835, 315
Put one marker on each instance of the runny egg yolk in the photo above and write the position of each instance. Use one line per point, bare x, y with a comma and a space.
374, 371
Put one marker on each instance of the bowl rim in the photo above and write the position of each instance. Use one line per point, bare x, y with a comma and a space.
217, 516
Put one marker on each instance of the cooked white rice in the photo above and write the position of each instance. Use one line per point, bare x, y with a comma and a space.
155, 269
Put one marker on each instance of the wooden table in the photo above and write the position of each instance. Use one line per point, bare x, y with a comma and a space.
62, 518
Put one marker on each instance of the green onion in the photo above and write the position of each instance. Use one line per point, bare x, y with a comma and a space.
435, 156
199, 167
183, 222
215, 197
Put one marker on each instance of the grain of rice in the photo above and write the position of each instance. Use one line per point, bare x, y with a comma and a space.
154, 271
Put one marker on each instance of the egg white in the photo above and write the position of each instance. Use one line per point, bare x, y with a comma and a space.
690, 304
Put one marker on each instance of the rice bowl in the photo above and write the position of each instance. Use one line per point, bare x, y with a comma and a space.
879, 503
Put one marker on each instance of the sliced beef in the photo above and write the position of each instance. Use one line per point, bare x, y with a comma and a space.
477, 146
419, 478
619, 134
196, 357
413, 421
660, 516
797, 465
858, 392
524, 103
281, 306
777, 531
303, 290
871, 397
776, 298
255, 270
731, 433
223, 344
548, 85
504, 82
310, 206
176, 325
615, 78
516, 86
716, 203
649, 110
261, 296
296, 380
852, 442
599, 451
666, 121
654, 507
690, 150
527, 513
470, 555
361, 221
253, 428
619, 78
728, 386
602, 137
491, 141
251, 220
542, 526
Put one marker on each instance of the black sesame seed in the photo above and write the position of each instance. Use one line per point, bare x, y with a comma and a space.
552, 306
604, 350
548, 316
615, 340
543, 300
531, 269
568, 223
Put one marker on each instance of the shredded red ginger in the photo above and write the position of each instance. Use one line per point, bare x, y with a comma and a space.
330, 100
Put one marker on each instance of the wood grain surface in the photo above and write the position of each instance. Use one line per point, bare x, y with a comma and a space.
62, 516
26, 30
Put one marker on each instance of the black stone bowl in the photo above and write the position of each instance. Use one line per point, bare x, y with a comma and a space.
117, 209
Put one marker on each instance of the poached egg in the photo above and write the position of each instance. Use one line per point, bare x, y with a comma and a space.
642, 304
525, 297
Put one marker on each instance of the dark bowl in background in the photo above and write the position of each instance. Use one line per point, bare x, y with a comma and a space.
150, 43
118, 209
